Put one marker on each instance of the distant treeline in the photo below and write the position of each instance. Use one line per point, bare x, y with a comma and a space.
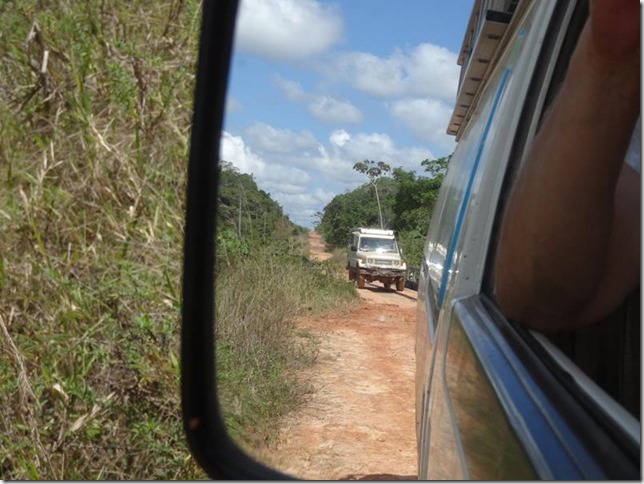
248, 217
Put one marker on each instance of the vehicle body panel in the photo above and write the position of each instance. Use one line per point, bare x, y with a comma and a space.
486, 408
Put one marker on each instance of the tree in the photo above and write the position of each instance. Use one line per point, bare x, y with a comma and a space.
414, 203
374, 171
247, 213
405, 203
345, 212
437, 167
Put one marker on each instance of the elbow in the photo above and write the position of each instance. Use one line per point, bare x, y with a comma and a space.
512, 292
514, 305
534, 303
540, 310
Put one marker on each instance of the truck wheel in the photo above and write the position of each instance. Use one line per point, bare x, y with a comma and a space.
400, 284
351, 275
360, 279
387, 284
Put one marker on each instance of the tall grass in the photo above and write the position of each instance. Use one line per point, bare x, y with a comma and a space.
259, 347
95, 107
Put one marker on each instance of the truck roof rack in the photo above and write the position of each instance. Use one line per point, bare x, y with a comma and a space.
490, 26
364, 230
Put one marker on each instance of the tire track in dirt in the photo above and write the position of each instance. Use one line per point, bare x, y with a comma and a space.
358, 422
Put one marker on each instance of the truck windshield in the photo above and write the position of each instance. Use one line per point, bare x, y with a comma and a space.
372, 244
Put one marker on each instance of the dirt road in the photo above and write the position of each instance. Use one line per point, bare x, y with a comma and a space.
358, 423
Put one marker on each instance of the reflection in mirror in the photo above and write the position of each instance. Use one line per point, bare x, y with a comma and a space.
492, 450
444, 461
316, 376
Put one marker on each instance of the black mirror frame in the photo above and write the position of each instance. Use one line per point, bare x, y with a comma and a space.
206, 433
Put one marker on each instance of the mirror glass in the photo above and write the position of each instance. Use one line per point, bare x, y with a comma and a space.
336, 119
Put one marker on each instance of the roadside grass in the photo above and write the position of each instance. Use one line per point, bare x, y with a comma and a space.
95, 108
260, 349
339, 258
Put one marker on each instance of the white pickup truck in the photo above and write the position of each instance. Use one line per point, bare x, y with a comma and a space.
373, 255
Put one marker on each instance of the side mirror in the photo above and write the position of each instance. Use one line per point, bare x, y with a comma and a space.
213, 410
206, 433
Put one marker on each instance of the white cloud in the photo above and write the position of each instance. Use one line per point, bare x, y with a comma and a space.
325, 109
346, 149
427, 119
369, 73
309, 200
339, 137
291, 89
331, 111
266, 138
432, 71
304, 206
283, 189
369, 145
336, 159
426, 70
285, 30
235, 150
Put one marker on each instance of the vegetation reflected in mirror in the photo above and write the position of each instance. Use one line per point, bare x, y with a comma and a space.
305, 105
264, 282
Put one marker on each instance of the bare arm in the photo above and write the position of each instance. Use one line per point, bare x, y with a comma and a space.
570, 239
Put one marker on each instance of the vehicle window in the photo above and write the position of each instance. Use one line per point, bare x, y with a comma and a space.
447, 208
608, 352
378, 245
472, 162
472, 156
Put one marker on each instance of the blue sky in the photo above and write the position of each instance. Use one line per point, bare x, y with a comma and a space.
318, 85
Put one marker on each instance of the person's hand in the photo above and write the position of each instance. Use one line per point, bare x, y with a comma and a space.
614, 32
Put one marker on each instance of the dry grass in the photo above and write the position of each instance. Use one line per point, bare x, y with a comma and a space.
95, 107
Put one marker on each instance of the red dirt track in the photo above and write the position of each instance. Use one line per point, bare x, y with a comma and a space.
358, 422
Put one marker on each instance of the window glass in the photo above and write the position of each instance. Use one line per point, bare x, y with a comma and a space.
481, 144
445, 213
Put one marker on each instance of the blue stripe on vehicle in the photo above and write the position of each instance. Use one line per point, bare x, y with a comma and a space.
470, 181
